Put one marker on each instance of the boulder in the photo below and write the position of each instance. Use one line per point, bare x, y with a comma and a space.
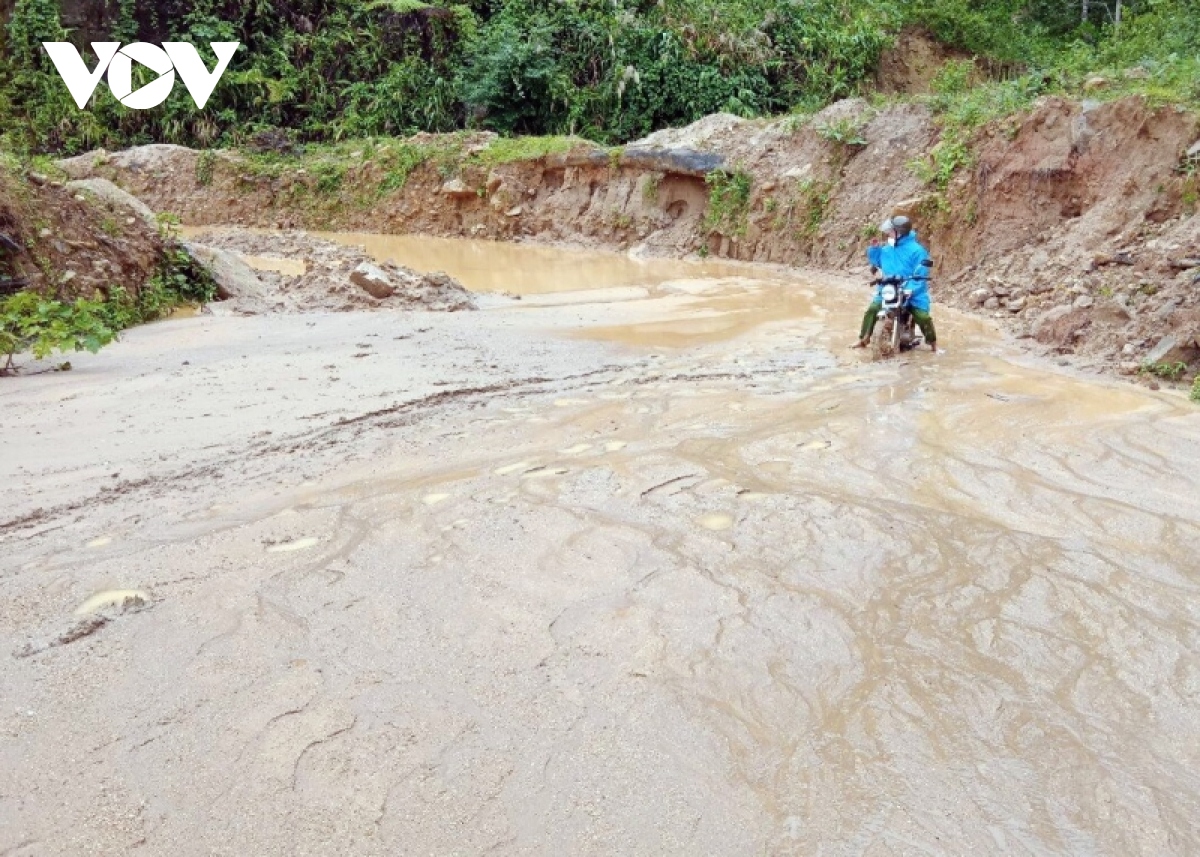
456, 188
992, 303
1084, 302
236, 282
106, 191
373, 280
1055, 325
1016, 304
979, 296
1164, 312
1111, 312
1173, 348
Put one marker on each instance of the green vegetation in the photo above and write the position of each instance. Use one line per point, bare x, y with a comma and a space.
204, 168
29, 322
814, 198
1195, 394
845, 131
506, 150
336, 70
950, 154
650, 187
961, 103
803, 210
728, 201
1169, 371
178, 281
333, 70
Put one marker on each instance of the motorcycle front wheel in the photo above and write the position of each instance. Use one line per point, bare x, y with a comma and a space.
882, 346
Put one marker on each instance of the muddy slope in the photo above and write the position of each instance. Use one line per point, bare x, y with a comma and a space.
75, 239
1075, 225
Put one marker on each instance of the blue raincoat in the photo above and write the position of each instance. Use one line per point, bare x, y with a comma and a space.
904, 261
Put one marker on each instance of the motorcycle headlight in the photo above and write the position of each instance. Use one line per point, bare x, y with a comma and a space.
889, 294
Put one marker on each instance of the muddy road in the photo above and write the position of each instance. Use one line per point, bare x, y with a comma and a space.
655, 567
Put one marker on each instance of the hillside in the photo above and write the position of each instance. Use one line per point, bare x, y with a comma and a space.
1050, 227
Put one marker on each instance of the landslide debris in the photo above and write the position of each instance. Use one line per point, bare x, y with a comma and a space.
297, 272
73, 240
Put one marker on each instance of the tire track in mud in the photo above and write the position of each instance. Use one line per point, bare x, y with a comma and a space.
401, 414
324, 437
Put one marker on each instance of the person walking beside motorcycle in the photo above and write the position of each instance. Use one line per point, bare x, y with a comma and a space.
903, 258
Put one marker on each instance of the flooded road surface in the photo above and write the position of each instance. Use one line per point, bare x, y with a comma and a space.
672, 575
524, 269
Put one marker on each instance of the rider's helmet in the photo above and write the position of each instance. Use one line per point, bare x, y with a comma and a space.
902, 225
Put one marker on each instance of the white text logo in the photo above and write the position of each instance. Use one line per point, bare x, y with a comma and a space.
118, 61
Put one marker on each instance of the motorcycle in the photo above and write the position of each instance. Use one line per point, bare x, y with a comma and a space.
895, 329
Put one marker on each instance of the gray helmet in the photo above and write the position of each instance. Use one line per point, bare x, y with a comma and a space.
902, 225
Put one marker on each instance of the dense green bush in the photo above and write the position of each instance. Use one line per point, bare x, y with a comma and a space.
333, 69
609, 70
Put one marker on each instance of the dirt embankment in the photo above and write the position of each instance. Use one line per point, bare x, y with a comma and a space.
1075, 224
73, 239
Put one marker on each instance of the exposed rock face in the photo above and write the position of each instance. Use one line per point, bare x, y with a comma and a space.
1053, 326
236, 281
1173, 349
456, 188
108, 192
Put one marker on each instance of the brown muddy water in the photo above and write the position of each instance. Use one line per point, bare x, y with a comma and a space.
525, 269
664, 569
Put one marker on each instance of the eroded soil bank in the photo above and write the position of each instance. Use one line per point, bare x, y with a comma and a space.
657, 568
1073, 225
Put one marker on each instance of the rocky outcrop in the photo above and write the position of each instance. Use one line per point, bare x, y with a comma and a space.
237, 285
106, 191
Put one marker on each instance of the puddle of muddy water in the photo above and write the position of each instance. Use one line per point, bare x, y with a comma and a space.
525, 269
700, 301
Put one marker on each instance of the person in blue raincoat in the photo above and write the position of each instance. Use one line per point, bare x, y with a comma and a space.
902, 256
